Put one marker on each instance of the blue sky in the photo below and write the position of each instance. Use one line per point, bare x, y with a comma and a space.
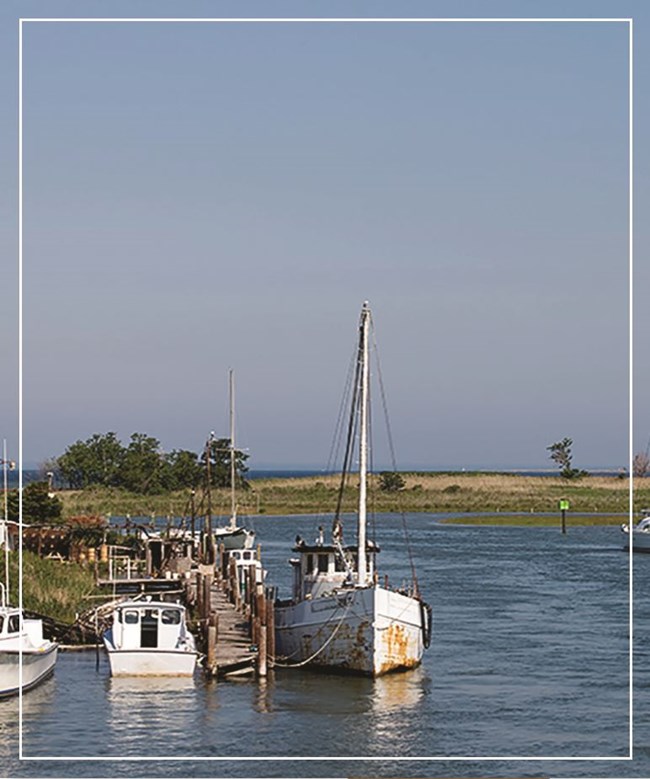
203, 196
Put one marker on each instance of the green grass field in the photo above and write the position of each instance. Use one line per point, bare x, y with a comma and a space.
424, 492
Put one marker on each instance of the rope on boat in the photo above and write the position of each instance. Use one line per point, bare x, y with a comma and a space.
318, 651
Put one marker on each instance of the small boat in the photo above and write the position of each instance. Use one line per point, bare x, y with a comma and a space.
23, 638
339, 616
150, 638
640, 533
233, 536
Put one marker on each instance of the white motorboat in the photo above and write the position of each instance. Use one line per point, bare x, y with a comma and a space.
150, 638
22, 643
339, 617
640, 534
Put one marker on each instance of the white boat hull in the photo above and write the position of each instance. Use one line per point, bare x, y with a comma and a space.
150, 662
369, 631
36, 667
640, 539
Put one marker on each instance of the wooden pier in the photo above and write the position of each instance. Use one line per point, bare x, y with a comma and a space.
235, 618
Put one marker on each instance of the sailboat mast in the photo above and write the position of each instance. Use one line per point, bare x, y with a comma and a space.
5, 515
233, 504
363, 445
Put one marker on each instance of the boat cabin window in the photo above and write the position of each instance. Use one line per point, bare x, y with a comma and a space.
14, 624
170, 617
247, 555
2, 624
339, 565
131, 617
322, 563
310, 563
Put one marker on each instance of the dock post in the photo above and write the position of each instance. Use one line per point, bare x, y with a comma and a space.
207, 605
211, 659
261, 652
199, 595
270, 627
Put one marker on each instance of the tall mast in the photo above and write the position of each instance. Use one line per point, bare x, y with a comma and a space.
5, 516
233, 504
363, 444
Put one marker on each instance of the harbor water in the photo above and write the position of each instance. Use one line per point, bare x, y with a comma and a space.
529, 661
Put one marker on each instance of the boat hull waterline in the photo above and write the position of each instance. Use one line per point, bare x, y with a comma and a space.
365, 630
36, 667
149, 662
640, 539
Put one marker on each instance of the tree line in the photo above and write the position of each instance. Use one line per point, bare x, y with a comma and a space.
142, 466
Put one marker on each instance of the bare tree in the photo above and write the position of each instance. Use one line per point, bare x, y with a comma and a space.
641, 464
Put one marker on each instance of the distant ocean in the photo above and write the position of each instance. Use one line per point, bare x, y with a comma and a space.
290, 473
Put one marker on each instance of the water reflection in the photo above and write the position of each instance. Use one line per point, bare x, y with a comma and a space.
139, 711
403, 691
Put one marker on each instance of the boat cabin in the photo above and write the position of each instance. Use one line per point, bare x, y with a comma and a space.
9, 624
149, 625
323, 567
12, 627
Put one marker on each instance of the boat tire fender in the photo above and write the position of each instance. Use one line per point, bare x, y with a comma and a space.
426, 621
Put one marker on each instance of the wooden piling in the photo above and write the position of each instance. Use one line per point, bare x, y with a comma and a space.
261, 652
199, 595
270, 626
211, 658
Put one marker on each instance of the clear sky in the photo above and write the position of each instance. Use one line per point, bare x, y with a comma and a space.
205, 196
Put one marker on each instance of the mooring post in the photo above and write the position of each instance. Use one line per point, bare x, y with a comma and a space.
199, 594
270, 627
207, 600
211, 658
261, 652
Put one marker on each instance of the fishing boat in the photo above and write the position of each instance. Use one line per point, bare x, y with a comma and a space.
640, 533
22, 644
340, 617
150, 638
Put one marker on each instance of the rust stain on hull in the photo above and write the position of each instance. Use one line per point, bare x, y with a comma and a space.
395, 645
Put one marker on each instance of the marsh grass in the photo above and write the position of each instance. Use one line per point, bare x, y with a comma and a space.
423, 492
50, 587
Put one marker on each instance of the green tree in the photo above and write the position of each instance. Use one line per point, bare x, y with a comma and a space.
217, 453
97, 460
184, 469
389, 481
38, 506
561, 454
143, 468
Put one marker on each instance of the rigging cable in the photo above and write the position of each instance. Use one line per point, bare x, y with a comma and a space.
350, 436
393, 459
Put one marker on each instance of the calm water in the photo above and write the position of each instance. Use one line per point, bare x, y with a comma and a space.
529, 658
